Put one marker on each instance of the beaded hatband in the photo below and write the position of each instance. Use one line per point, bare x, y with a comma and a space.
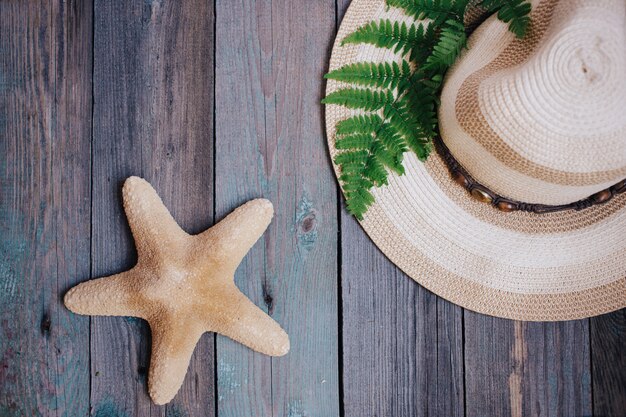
485, 195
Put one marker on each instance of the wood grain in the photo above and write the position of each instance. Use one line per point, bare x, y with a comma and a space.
153, 94
557, 372
491, 372
269, 142
523, 368
402, 345
45, 125
608, 359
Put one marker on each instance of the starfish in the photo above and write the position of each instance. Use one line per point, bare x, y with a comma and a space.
183, 286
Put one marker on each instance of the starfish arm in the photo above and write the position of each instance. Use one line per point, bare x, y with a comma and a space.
231, 239
173, 343
153, 227
244, 322
108, 296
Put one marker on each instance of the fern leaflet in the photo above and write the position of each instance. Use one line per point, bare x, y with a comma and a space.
369, 123
358, 141
360, 98
383, 75
395, 36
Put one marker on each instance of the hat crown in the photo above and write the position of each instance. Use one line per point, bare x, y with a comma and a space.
543, 119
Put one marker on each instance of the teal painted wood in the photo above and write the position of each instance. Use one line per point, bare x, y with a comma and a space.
270, 58
522, 368
608, 359
153, 94
45, 127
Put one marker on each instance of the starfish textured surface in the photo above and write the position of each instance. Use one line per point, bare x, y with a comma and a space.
183, 285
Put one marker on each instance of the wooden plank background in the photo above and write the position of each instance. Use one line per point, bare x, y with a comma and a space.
215, 103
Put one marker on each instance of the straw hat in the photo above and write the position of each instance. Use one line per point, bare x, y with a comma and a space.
538, 121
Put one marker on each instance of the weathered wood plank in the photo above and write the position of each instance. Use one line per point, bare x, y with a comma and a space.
523, 368
402, 345
270, 58
153, 117
45, 134
557, 373
489, 346
608, 360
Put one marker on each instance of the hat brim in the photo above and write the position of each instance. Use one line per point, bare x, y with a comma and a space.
547, 267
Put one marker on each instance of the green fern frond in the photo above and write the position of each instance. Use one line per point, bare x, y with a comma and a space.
437, 10
356, 157
432, 84
422, 101
395, 36
387, 157
404, 122
357, 202
422, 48
358, 141
356, 183
452, 39
375, 171
423, 150
356, 188
382, 75
349, 171
514, 12
368, 123
392, 140
360, 98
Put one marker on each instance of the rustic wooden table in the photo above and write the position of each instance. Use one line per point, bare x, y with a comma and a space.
215, 104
